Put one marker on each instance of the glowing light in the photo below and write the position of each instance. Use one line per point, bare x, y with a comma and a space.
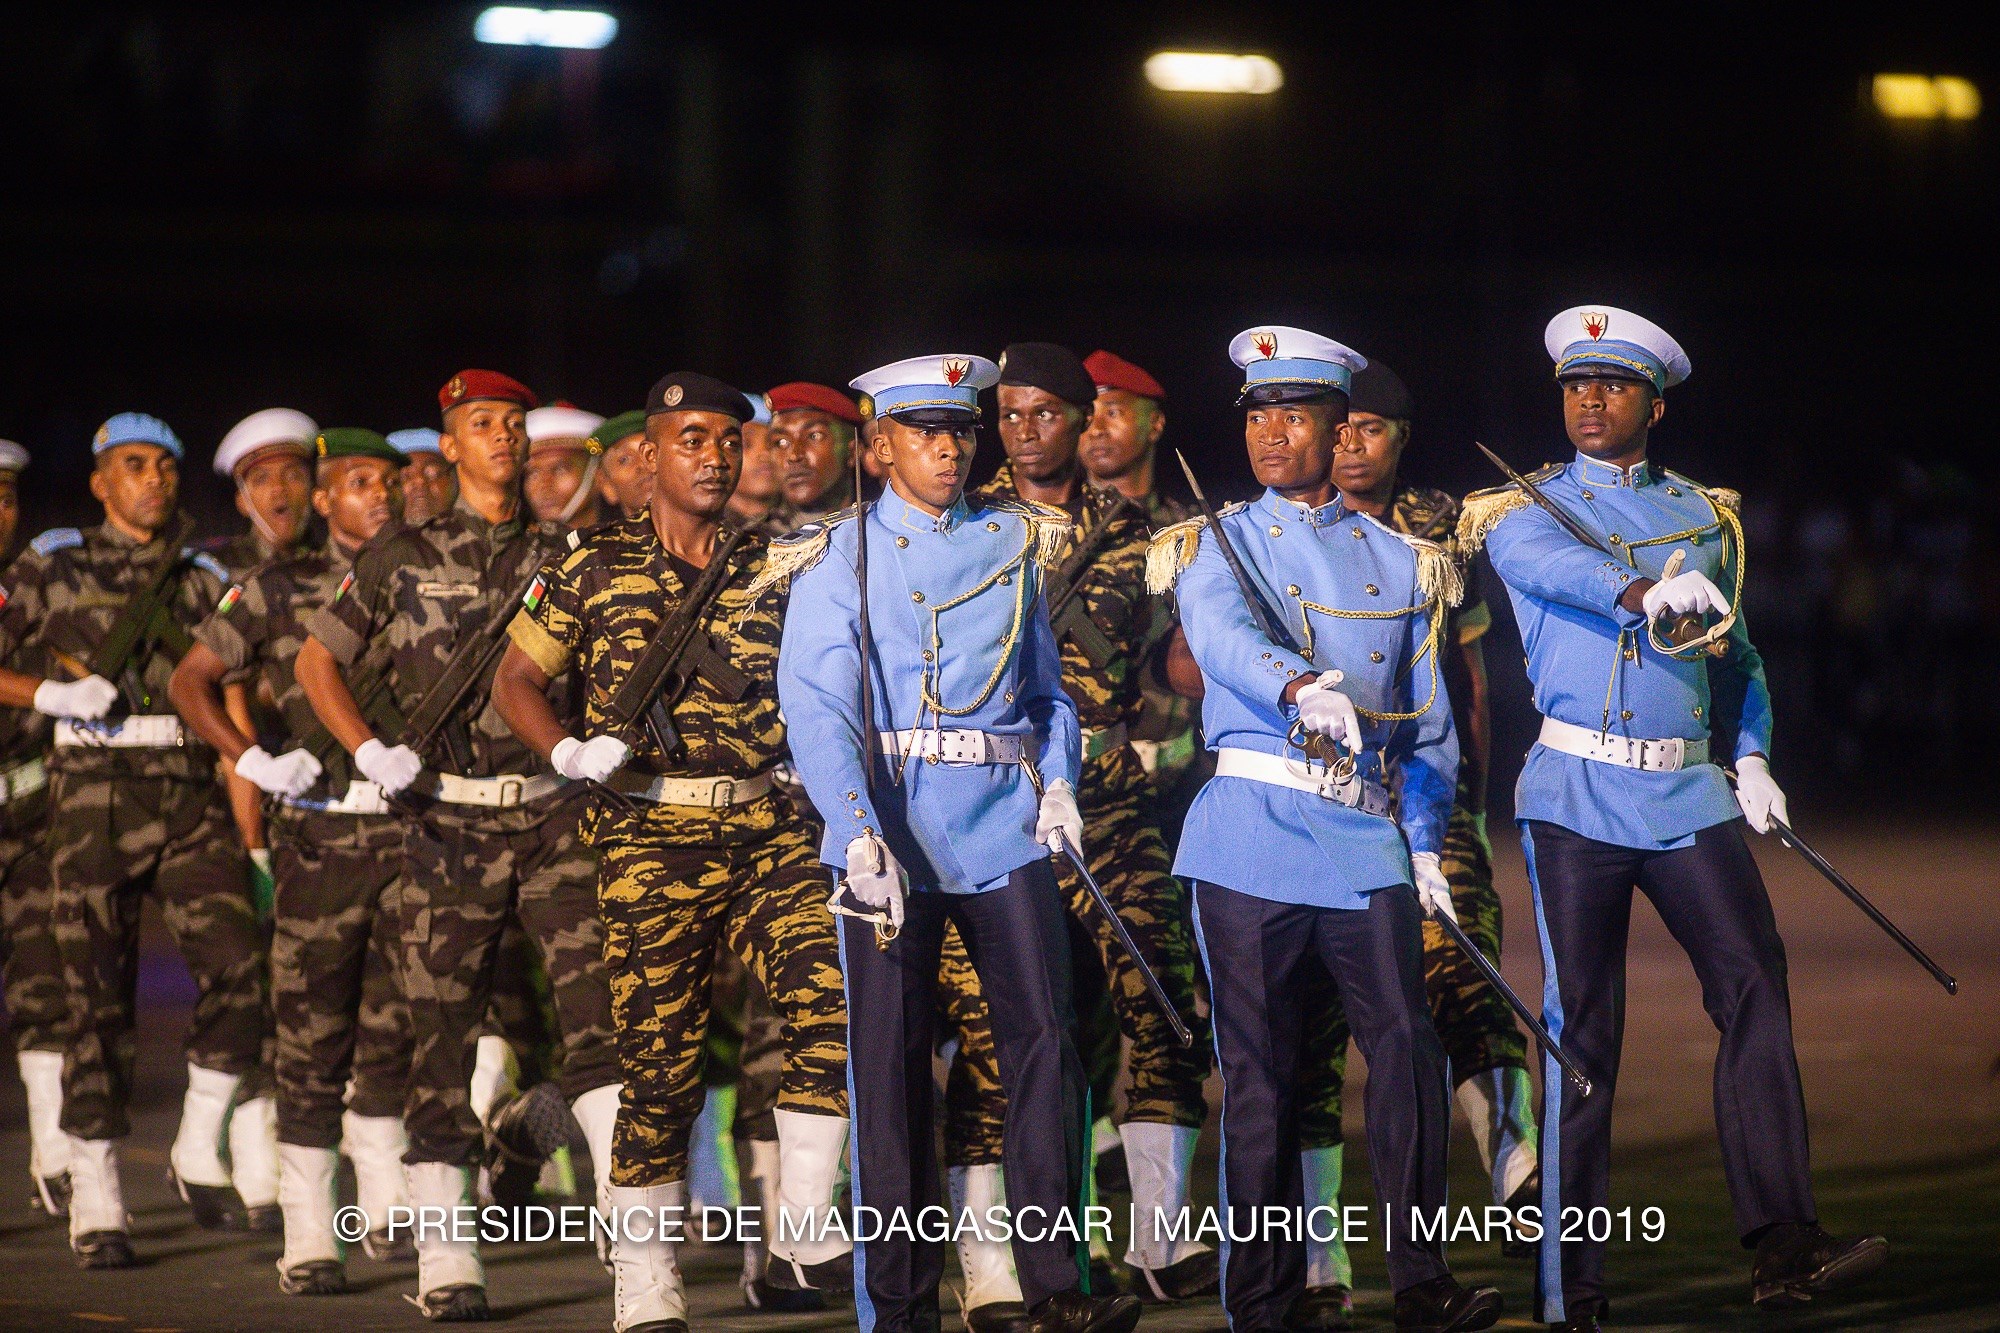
571, 29
1213, 72
1922, 97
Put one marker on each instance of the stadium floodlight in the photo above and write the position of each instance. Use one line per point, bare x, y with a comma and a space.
570, 29
1213, 72
1923, 97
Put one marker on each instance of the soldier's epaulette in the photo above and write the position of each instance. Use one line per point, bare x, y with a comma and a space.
1438, 576
1483, 510
1719, 496
796, 552
1048, 526
203, 560
57, 539
1174, 547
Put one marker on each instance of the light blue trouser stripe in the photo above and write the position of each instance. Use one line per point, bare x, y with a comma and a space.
1222, 1119
864, 1309
1552, 1101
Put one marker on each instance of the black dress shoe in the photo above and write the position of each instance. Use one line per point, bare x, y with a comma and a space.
1441, 1305
317, 1277
1328, 1309
1074, 1312
1529, 1195
998, 1317
762, 1296
1796, 1262
215, 1207
266, 1219
827, 1275
104, 1249
460, 1303
1582, 1317
1200, 1274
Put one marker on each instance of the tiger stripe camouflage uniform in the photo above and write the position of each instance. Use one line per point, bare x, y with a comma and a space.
679, 880
336, 985
466, 866
128, 820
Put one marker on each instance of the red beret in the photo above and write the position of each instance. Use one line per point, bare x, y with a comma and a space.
472, 385
1112, 371
801, 394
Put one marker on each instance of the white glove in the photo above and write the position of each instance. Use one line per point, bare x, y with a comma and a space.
289, 774
593, 760
874, 877
391, 770
1680, 594
1758, 795
1433, 890
84, 700
1327, 712
1058, 814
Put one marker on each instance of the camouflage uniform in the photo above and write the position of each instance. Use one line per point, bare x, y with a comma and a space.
467, 867
126, 820
36, 1005
1474, 1023
678, 880
336, 989
1122, 839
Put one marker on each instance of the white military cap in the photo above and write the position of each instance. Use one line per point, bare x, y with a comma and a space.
12, 456
927, 390
262, 430
1287, 365
1603, 340
561, 421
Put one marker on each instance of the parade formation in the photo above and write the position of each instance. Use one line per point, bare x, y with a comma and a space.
549, 775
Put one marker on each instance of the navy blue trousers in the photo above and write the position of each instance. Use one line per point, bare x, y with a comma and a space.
1255, 950
1018, 939
1712, 899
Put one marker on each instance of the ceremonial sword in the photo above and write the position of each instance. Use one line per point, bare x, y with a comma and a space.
886, 929
1152, 983
1450, 925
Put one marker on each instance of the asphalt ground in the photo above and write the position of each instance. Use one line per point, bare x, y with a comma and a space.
1900, 1079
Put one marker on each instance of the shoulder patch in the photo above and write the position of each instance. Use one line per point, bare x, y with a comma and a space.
229, 599
57, 539
796, 552
203, 560
1438, 577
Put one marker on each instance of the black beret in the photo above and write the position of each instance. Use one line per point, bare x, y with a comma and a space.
691, 391
1379, 391
1050, 367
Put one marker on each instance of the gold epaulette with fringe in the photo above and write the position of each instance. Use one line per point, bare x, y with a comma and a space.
789, 556
1438, 576
1171, 551
1719, 496
1482, 511
1049, 527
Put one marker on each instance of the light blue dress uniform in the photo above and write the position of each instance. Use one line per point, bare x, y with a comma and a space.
1593, 664
1310, 563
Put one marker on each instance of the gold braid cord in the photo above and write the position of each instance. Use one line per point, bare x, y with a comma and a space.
1440, 586
1723, 504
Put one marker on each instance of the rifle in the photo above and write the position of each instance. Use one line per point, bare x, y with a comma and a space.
678, 653
471, 662
146, 623
1062, 587
1267, 620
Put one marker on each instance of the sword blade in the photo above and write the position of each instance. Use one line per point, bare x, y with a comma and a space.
1514, 1002
1860, 900
1554, 510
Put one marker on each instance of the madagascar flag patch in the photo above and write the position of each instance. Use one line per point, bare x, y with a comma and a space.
533, 597
3, 599
345, 583
229, 600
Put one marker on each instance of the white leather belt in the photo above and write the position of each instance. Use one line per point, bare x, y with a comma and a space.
1103, 740
707, 793
1662, 756
23, 779
150, 731
509, 789
954, 745
1356, 793
361, 798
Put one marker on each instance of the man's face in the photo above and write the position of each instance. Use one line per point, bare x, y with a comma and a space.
763, 478
429, 487
929, 464
1366, 461
551, 477
1123, 429
487, 440
356, 496
1609, 418
1039, 431
625, 475
278, 484
1292, 444
138, 484
812, 449
10, 509
696, 459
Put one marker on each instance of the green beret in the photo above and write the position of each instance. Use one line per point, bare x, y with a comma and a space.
356, 442
616, 429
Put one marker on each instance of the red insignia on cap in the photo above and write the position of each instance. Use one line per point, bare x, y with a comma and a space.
1265, 343
474, 385
1108, 370
802, 395
1595, 322
955, 370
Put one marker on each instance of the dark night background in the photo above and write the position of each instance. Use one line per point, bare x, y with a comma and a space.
214, 210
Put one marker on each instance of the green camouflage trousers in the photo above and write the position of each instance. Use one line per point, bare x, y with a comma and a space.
461, 881
667, 909
1474, 1023
521, 1007
336, 974
112, 839
37, 1007
1130, 860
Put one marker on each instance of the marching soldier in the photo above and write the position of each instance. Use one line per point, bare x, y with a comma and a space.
760, 489
1107, 628
704, 851
812, 437
336, 992
36, 1005
1488, 1055
1640, 706
559, 481
430, 483
624, 478
135, 806
491, 831
929, 724
1320, 652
